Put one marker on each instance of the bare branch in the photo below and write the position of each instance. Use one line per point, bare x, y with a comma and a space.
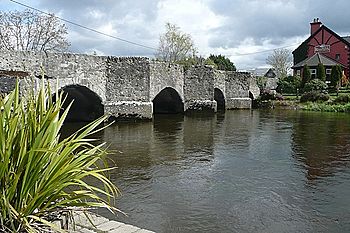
28, 30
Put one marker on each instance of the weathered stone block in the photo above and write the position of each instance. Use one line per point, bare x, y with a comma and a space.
201, 105
129, 109
239, 103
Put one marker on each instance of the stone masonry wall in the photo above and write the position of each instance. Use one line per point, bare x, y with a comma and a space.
128, 79
67, 69
237, 90
128, 87
166, 75
219, 81
199, 89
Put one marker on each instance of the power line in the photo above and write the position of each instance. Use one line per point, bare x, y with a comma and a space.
86, 28
131, 42
263, 51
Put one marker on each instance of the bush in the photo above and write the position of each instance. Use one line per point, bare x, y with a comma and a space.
315, 85
314, 96
288, 85
270, 95
41, 175
342, 99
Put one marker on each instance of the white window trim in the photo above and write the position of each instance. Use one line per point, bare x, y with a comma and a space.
312, 71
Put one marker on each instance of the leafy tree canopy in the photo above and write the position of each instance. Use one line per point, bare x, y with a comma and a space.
222, 62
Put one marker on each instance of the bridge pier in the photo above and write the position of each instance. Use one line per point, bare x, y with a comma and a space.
199, 89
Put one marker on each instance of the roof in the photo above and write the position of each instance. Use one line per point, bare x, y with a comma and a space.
270, 73
345, 39
315, 60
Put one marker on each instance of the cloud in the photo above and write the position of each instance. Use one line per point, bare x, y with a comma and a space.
225, 27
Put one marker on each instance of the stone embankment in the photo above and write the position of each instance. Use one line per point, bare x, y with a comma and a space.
100, 224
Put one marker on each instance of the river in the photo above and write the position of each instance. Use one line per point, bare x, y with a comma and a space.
239, 171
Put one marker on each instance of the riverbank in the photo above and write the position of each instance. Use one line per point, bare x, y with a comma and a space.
82, 224
327, 106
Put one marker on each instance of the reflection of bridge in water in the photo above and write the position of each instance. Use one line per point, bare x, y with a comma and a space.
124, 87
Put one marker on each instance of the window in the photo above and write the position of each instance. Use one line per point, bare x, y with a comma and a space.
313, 73
328, 71
298, 72
337, 57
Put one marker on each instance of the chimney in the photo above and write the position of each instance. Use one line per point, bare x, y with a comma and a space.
315, 25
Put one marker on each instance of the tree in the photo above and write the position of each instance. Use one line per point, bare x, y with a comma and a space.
321, 72
29, 30
222, 62
306, 75
175, 45
336, 76
281, 60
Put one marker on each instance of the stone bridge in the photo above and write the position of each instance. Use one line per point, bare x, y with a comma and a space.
124, 87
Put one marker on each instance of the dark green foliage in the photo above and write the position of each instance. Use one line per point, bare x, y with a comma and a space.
336, 75
321, 72
306, 75
342, 99
314, 96
315, 85
288, 85
222, 62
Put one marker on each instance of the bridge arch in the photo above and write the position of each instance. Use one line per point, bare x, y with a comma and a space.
87, 105
219, 97
166, 101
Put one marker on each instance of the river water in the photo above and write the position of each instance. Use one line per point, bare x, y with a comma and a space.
239, 171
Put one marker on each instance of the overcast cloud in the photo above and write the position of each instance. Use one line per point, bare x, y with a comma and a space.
233, 28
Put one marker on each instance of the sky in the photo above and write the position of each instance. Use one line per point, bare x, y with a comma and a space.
245, 31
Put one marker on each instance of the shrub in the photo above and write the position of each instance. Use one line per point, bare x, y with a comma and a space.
315, 85
306, 75
288, 84
314, 96
342, 99
42, 175
270, 95
321, 72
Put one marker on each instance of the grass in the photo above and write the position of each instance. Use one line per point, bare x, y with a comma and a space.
42, 175
326, 107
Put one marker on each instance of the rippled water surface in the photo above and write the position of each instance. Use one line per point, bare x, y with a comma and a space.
242, 171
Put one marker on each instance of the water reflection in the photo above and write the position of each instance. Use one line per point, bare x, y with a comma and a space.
239, 171
322, 144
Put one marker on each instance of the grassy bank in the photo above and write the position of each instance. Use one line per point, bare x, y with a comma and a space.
325, 107
294, 103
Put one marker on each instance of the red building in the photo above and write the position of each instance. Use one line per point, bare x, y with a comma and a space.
323, 46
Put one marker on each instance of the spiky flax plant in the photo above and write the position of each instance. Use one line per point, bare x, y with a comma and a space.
42, 175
